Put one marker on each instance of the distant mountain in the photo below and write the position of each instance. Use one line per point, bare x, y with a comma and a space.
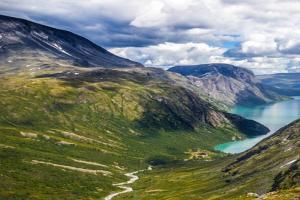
227, 83
22, 42
283, 83
274, 163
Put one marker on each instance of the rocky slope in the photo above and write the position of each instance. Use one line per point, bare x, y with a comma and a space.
23, 42
274, 163
227, 83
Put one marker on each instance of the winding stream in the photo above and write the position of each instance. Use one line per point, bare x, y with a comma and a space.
274, 116
125, 185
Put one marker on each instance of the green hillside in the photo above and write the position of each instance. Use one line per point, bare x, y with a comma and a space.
270, 170
73, 134
72, 126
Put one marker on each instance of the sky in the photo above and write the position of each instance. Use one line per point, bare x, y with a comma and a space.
261, 35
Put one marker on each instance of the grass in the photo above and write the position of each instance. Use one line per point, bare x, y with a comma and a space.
108, 117
122, 123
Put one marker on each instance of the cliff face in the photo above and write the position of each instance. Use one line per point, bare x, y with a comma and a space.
227, 83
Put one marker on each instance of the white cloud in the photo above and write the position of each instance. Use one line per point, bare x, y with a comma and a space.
151, 16
166, 55
259, 44
268, 31
170, 54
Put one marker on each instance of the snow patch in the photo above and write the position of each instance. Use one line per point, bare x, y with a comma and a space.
41, 35
288, 163
58, 47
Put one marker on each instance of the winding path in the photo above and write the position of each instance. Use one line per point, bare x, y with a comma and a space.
124, 185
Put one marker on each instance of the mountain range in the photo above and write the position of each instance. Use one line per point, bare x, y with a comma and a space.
282, 83
76, 119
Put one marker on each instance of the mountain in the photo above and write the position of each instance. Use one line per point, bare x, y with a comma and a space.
24, 43
274, 162
71, 130
227, 83
282, 83
75, 133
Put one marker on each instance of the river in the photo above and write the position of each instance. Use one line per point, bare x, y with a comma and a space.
274, 116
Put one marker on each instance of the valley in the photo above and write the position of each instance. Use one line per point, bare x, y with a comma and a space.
269, 170
79, 134
78, 122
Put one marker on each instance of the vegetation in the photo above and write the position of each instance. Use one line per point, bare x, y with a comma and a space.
71, 132
48, 125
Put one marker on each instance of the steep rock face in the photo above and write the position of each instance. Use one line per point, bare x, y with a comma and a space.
22, 41
273, 163
227, 83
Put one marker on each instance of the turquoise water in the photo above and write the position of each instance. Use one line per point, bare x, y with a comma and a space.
274, 116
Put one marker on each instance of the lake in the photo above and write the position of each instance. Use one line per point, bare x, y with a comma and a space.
274, 116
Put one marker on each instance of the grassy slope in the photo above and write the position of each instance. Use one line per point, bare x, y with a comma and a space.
110, 127
199, 180
272, 165
105, 113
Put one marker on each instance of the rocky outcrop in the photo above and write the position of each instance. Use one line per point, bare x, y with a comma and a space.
227, 83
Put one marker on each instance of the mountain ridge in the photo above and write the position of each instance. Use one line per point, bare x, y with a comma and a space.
28, 40
283, 83
227, 83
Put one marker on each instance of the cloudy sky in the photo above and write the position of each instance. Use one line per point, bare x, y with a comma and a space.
263, 35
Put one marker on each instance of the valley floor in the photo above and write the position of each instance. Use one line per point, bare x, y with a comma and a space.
199, 181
